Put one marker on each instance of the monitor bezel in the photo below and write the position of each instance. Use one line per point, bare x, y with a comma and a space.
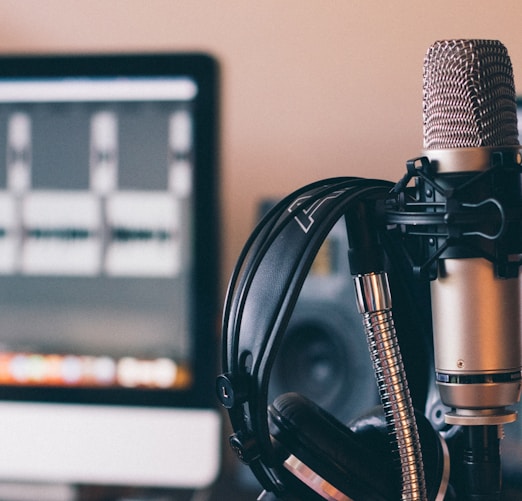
203, 70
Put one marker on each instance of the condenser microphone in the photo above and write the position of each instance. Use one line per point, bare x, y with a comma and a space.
473, 180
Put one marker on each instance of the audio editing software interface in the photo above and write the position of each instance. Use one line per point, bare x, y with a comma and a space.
95, 231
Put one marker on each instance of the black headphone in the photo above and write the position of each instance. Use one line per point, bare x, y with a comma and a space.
296, 449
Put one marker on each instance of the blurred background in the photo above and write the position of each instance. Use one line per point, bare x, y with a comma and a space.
309, 88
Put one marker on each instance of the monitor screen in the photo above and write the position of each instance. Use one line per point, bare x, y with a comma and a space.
108, 269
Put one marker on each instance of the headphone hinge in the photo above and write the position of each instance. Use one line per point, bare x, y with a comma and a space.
232, 389
245, 447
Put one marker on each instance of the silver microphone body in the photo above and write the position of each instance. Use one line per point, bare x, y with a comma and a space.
470, 128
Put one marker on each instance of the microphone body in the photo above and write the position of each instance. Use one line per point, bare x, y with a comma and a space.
476, 312
471, 141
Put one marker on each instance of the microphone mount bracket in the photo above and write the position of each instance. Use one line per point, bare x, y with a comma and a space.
459, 215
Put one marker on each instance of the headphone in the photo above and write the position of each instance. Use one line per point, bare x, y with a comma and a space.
295, 448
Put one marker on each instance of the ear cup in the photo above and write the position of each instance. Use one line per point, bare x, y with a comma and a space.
356, 459
331, 451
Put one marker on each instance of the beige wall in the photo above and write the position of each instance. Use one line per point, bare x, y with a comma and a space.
311, 88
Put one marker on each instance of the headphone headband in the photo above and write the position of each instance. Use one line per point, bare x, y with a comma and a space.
261, 297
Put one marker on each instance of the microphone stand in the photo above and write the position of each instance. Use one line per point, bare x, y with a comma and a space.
481, 463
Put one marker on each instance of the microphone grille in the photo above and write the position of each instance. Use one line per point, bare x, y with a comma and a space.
469, 95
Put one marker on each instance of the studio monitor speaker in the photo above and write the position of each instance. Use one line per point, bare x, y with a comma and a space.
324, 355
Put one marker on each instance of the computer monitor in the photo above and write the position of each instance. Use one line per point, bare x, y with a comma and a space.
108, 269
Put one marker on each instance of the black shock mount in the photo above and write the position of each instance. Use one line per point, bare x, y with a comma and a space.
459, 215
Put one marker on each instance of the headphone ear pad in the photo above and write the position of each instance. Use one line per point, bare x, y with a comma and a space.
330, 450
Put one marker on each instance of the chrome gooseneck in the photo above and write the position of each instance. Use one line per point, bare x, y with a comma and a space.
375, 304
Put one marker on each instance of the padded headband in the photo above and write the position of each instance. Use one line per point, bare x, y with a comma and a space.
262, 293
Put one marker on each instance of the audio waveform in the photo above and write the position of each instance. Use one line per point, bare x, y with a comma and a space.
59, 233
123, 234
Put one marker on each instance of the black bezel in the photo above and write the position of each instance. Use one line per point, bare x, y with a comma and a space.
203, 69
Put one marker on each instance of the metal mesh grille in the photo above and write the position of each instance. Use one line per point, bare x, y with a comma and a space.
469, 95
